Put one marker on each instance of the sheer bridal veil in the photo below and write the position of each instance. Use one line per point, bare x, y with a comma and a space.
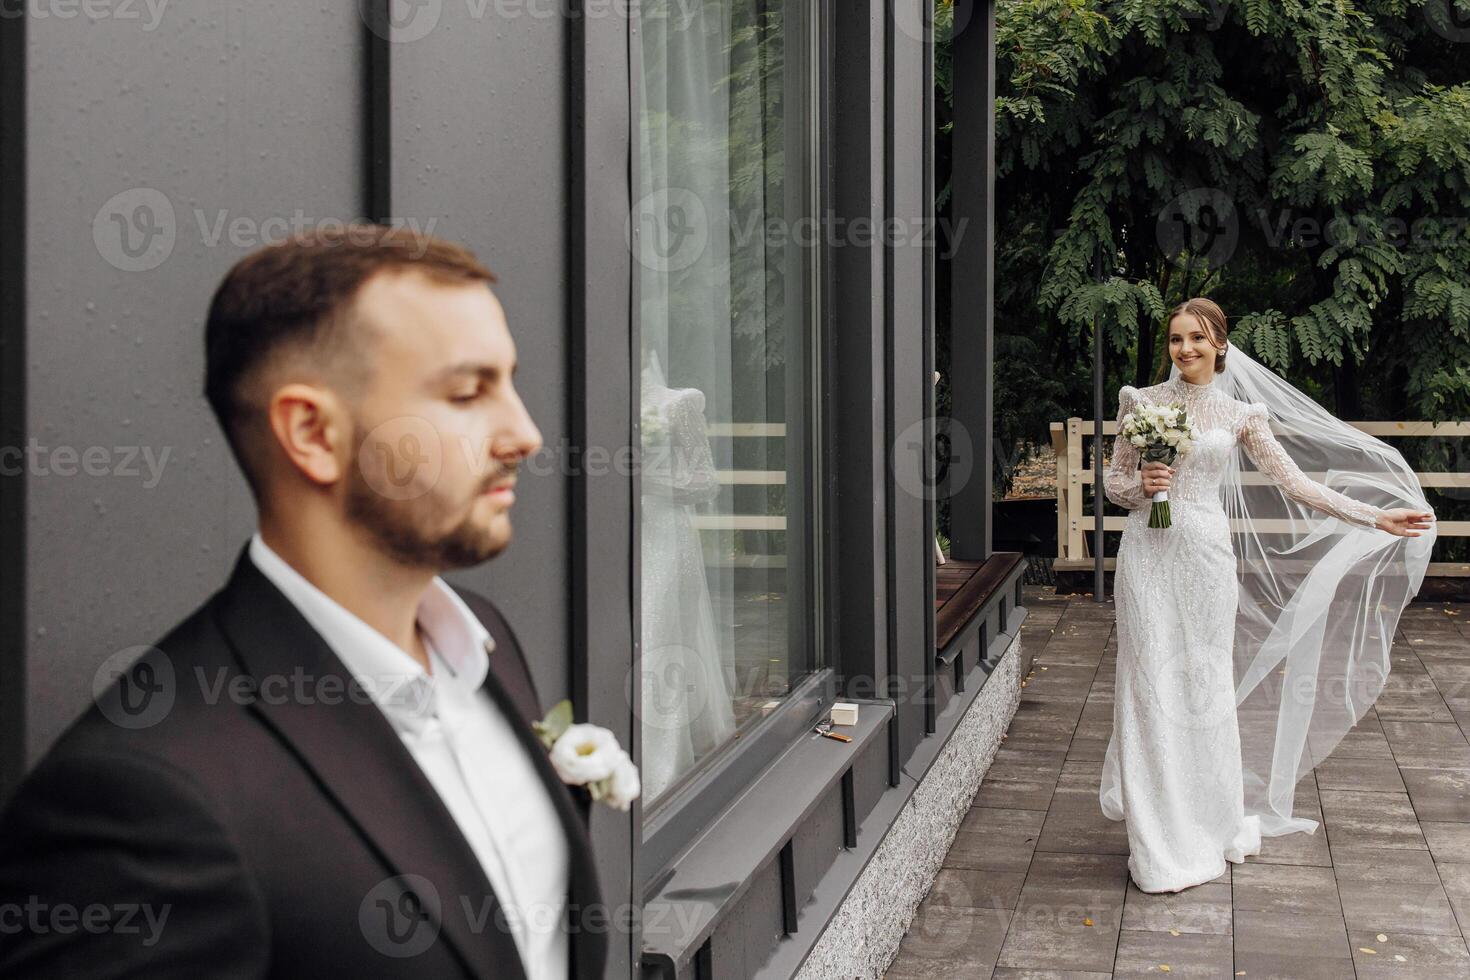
1320, 598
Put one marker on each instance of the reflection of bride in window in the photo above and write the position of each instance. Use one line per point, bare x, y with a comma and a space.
687, 681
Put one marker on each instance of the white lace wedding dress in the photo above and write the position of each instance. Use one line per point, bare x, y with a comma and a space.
1173, 764
688, 679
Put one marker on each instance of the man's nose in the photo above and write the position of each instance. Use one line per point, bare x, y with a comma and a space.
522, 437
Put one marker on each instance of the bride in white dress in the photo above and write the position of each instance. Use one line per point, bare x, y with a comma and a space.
688, 676
1173, 767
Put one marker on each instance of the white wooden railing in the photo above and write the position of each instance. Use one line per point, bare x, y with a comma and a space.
1074, 528
745, 522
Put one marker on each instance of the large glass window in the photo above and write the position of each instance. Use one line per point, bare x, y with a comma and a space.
728, 241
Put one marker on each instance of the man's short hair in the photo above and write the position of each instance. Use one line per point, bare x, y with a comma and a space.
296, 294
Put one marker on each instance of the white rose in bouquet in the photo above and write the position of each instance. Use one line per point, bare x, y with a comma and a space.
1163, 433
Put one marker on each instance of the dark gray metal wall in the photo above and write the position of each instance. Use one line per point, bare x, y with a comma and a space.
910, 371
510, 134
972, 314
253, 112
479, 124
207, 112
858, 308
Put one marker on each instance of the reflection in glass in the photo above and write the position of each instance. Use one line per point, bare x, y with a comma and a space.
725, 238
688, 683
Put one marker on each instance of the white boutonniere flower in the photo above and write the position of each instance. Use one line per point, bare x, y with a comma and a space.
590, 756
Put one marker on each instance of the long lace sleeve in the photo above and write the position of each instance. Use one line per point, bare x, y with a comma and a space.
679, 462
1122, 482
1270, 458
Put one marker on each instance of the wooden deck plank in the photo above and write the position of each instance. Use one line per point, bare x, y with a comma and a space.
1385, 883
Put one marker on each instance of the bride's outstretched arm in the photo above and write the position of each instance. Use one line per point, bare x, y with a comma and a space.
1122, 482
1270, 458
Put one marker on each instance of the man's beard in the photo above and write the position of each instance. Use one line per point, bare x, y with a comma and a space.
407, 530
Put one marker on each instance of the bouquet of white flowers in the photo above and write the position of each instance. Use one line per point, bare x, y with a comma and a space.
1162, 433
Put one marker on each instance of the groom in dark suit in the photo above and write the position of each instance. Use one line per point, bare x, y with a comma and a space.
328, 769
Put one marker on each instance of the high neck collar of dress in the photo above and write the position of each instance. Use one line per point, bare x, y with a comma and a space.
1191, 391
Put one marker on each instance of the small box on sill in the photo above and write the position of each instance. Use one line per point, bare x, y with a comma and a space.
844, 713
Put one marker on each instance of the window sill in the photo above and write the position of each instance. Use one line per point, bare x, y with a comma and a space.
791, 951
714, 872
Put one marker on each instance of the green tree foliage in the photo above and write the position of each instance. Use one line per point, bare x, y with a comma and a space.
1304, 162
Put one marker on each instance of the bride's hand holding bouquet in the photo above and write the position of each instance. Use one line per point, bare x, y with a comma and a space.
1162, 434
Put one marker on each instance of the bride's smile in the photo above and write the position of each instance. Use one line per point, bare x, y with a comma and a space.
1193, 349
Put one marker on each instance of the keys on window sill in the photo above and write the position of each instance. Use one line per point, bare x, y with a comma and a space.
824, 729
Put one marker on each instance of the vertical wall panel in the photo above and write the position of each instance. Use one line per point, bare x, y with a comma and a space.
910, 544
744, 941
13, 708
479, 147
857, 309
815, 846
972, 309
603, 68
193, 130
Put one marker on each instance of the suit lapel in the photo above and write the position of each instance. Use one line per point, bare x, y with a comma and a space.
362, 764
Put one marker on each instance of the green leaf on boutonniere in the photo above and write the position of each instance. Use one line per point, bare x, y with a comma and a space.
557, 721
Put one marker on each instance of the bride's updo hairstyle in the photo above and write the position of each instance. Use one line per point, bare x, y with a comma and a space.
1209, 314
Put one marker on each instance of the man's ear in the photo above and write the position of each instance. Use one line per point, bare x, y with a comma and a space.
313, 429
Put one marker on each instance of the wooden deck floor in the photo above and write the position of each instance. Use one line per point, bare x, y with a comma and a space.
1036, 885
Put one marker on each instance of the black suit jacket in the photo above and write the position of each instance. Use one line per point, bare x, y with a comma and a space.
231, 807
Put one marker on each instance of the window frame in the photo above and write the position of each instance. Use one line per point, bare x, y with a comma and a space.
667, 828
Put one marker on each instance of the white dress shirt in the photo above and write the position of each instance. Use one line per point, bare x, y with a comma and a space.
466, 748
